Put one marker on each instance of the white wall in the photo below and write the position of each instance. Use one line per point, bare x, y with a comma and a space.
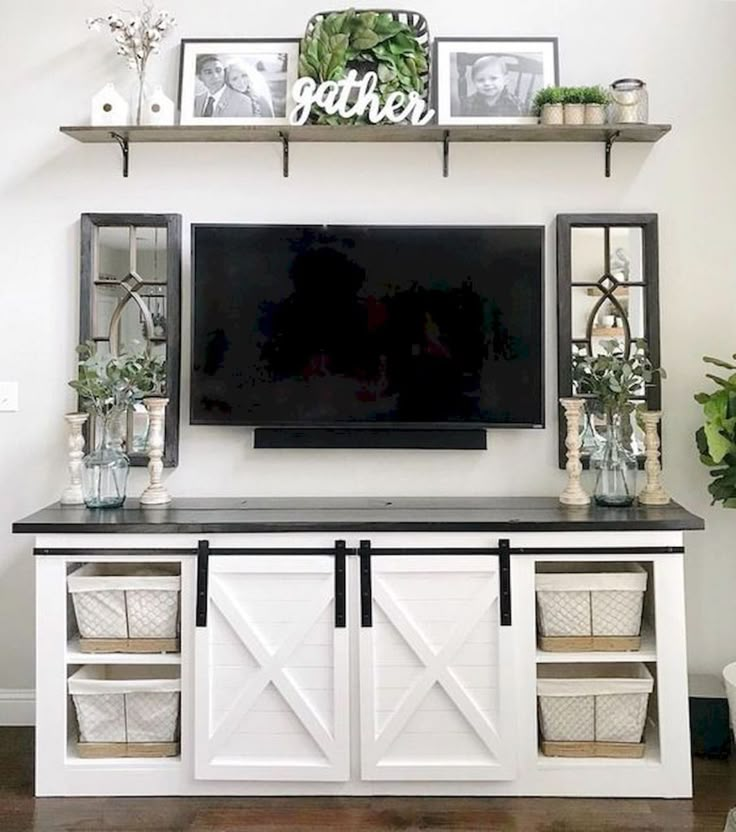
51, 65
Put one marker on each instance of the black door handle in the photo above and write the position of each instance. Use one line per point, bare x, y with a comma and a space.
366, 591
340, 583
203, 558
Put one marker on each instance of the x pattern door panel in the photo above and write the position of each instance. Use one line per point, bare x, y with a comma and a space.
272, 672
432, 700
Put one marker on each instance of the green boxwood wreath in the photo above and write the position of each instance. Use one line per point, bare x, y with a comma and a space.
367, 40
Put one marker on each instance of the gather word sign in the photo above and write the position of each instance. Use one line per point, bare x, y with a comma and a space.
350, 97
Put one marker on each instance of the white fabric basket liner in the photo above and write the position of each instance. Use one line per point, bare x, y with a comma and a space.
593, 680
628, 577
103, 679
96, 577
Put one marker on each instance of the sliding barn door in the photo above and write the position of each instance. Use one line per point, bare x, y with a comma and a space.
271, 670
433, 703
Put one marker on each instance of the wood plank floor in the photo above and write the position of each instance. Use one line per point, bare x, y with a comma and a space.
715, 793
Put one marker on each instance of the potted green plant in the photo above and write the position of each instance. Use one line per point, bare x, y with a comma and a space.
716, 439
573, 99
548, 105
596, 101
611, 379
107, 387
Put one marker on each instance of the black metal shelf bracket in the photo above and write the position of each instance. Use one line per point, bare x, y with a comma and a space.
610, 139
446, 154
285, 151
124, 149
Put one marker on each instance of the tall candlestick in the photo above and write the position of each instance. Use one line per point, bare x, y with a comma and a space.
155, 494
653, 493
574, 494
72, 495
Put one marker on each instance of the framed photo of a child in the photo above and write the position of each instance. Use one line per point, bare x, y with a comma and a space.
492, 80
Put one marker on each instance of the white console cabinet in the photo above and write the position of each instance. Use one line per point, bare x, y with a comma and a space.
356, 650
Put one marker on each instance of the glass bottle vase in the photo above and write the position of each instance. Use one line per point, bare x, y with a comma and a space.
615, 463
105, 469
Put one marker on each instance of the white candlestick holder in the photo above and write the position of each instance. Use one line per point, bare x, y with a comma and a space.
155, 494
653, 493
574, 494
72, 495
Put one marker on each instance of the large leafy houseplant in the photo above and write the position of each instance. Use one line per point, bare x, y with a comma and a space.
364, 41
716, 439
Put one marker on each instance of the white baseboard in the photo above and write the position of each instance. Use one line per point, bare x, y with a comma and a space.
17, 707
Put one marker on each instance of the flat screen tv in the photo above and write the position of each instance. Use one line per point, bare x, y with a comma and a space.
355, 326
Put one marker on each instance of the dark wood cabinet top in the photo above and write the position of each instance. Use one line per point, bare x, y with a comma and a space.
358, 514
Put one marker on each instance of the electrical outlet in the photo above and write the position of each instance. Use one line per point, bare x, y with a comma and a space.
8, 396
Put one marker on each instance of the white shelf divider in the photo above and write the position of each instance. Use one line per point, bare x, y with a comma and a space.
75, 656
646, 653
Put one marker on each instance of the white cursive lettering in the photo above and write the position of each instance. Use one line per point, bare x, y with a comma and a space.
334, 97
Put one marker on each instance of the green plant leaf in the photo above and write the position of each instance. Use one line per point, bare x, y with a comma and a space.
718, 444
364, 39
709, 359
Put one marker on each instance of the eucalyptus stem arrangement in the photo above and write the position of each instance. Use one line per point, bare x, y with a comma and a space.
612, 378
136, 38
112, 384
108, 386
716, 439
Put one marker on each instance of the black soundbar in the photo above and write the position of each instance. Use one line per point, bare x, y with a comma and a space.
418, 438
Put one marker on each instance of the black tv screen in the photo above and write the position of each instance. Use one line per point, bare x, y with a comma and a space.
367, 326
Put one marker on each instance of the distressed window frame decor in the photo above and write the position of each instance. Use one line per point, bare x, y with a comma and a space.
606, 285
442, 71
90, 225
194, 48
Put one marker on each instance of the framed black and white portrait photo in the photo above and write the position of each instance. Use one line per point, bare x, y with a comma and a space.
492, 80
237, 81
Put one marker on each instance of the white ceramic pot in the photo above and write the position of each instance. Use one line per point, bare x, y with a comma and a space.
552, 114
595, 114
574, 113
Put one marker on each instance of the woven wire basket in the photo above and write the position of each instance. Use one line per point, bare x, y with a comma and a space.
599, 703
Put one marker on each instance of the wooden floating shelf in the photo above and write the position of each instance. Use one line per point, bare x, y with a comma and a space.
373, 133
126, 135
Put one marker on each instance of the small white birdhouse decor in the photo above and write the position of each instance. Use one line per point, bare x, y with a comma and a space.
158, 108
109, 107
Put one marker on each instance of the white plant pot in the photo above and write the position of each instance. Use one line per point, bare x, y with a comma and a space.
574, 113
595, 114
552, 114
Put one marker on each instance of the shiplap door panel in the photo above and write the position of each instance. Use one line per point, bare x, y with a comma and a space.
271, 672
433, 704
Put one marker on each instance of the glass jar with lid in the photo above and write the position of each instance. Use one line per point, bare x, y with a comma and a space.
629, 101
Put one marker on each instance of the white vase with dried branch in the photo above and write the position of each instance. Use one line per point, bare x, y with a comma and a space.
137, 38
